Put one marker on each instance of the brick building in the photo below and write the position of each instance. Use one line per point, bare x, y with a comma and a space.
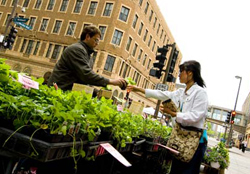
132, 31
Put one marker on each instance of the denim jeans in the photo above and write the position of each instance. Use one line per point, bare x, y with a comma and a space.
193, 166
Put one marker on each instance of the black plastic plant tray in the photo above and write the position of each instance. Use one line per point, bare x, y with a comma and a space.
19, 144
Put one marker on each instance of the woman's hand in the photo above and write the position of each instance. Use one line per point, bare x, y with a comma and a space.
168, 111
135, 89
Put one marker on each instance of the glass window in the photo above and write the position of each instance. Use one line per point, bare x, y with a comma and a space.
153, 47
23, 45
109, 63
29, 47
135, 21
64, 5
44, 24
125, 71
164, 39
71, 29
78, 6
139, 55
151, 15
128, 43
57, 26
108, 9
7, 19
140, 2
134, 50
149, 62
36, 48
56, 51
140, 29
92, 8
146, 8
49, 51
103, 30
94, 56
51, 5
124, 14
155, 22
144, 59
26, 3
117, 37
38, 4
159, 26
149, 41
32, 22
145, 35
3, 2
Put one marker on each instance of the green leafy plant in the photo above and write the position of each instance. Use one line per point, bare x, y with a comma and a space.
130, 81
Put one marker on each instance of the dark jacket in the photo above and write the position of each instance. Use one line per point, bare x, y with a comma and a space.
75, 66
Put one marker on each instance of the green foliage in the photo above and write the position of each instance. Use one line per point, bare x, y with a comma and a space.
130, 81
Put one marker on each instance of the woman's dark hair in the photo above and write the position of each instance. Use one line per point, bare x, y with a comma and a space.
91, 30
194, 67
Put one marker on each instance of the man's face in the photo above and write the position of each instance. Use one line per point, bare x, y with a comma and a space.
92, 42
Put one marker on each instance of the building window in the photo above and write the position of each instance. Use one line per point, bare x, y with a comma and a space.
38, 4
26, 3
134, 50
140, 29
92, 8
56, 51
164, 38
23, 45
140, 2
135, 21
3, 2
149, 62
161, 33
146, 8
36, 48
153, 47
57, 26
103, 30
32, 22
94, 56
117, 37
139, 55
124, 14
71, 29
29, 47
151, 15
125, 71
128, 43
109, 63
145, 35
64, 5
159, 26
7, 19
108, 9
49, 51
51, 5
144, 59
44, 24
78, 6
149, 41
155, 22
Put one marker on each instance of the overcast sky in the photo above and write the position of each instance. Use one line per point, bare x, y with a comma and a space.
217, 34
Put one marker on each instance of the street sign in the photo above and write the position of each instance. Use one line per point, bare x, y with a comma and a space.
16, 19
162, 87
27, 27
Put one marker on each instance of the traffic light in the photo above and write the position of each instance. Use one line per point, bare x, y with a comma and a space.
11, 38
233, 113
228, 117
172, 64
170, 77
158, 66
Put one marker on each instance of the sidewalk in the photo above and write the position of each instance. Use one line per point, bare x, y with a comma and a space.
239, 162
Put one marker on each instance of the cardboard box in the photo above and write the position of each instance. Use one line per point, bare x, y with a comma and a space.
136, 107
105, 93
80, 87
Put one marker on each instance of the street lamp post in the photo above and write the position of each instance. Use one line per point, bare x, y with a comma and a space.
231, 125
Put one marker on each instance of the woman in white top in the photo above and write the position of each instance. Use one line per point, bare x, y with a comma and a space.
193, 102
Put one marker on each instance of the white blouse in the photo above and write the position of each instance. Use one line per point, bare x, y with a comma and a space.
194, 104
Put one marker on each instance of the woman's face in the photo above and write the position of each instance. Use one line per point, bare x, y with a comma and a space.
185, 76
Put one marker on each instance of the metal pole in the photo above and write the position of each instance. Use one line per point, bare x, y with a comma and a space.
10, 18
231, 125
165, 78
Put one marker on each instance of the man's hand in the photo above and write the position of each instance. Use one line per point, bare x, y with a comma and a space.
118, 82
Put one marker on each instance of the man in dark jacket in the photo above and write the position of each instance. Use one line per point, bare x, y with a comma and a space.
76, 65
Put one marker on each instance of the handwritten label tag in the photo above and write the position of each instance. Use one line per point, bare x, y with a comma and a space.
27, 82
119, 107
108, 147
170, 149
